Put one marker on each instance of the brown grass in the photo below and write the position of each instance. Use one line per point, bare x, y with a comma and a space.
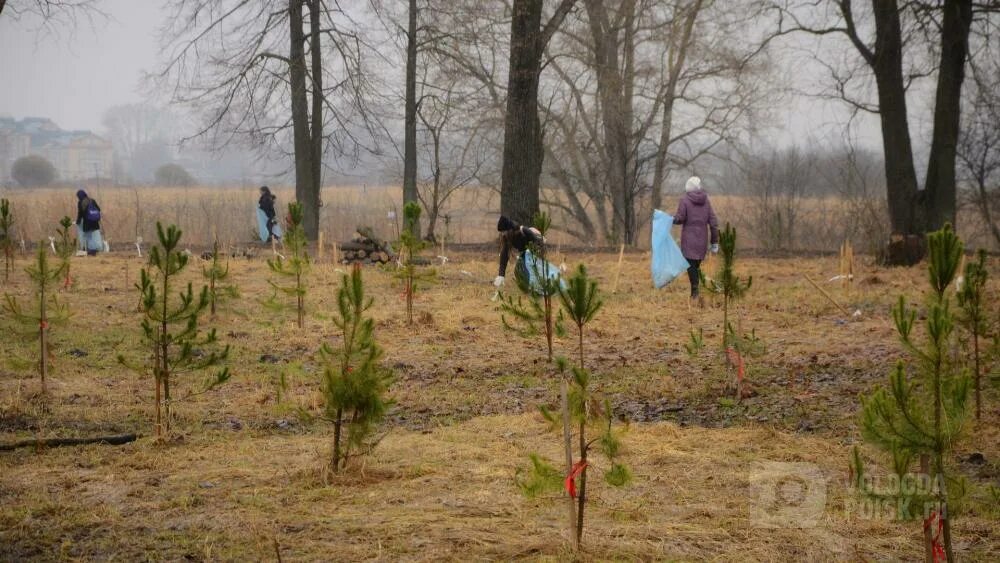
247, 473
228, 213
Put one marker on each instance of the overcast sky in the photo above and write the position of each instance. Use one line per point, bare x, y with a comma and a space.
74, 76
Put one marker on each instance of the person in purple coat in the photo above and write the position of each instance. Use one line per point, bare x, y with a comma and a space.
697, 220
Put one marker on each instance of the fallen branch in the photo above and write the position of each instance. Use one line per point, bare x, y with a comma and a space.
56, 442
827, 295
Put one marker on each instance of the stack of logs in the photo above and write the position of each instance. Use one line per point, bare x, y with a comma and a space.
365, 248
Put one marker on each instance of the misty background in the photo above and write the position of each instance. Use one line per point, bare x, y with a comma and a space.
76, 75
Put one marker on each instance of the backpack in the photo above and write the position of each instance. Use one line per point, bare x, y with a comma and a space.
92, 214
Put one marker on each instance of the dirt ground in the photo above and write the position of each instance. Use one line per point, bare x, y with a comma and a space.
245, 479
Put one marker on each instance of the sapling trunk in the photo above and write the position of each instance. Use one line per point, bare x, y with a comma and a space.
582, 498
43, 333
568, 443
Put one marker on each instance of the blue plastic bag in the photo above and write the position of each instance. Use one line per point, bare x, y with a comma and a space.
667, 262
532, 268
262, 226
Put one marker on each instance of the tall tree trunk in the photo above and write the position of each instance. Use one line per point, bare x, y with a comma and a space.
522, 146
305, 191
410, 133
900, 175
676, 60
611, 92
311, 206
939, 188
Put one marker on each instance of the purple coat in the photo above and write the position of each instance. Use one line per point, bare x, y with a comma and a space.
695, 213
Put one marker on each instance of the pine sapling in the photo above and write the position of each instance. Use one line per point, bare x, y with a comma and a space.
731, 287
354, 382
296, 267
216, 272
170, 325
974, 317
539, 283
7, 238
726, 282
411, 245
46, 308
586, 412
921, 415
65, 247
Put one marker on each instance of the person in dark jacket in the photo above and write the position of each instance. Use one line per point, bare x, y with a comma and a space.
266, 204
697, 220
513, 237
88, 222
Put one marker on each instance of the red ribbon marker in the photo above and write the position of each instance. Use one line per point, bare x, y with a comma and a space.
577, 469
43, 325
936, 548
737, 360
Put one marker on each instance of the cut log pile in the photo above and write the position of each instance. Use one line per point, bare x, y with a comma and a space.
365, 248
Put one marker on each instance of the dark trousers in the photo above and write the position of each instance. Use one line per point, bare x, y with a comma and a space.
693, 275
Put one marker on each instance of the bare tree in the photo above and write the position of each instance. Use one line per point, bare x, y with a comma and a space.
885, 37
410, 121
523, 151
979, 144
51, 14
633, 103
455, 154
272, 73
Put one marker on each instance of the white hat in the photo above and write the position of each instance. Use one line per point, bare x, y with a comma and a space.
693, 184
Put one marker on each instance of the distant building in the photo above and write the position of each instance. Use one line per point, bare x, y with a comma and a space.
76, 155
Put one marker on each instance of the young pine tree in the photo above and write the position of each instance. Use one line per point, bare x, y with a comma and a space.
540, 286
65, 247
296, 267
921, 415
975, 316
411, 244
731, 287
46, 309
586, 413
354, 383
6, 238
727, 283
216, 273
170, 324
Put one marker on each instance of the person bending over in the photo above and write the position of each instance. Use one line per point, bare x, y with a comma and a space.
513, 237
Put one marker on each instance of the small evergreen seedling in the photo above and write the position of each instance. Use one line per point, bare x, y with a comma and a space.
354, 383
974, 317
696, 343
47, 309
585, 412
216, 272
922, 415
170, 324
538, 308
411, 244
296, 267
7, 238
65, 247
581, 300
727, 283
731, 287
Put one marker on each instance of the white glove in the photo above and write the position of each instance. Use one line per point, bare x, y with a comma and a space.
715, 249
498, 282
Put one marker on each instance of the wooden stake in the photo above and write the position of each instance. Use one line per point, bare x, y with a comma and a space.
335, 249
827, 295
618, 270
319, 248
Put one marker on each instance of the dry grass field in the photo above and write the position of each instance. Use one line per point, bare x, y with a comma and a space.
228, 214
244, 480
